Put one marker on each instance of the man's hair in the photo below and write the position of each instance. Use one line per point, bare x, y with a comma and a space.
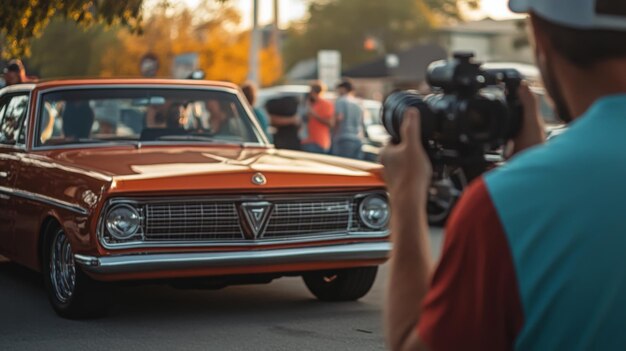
249, 91
317, 87
583, 47
346, 84
14, 65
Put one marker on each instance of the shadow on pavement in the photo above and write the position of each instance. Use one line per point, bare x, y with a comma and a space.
281, 315
152, 301
22, 277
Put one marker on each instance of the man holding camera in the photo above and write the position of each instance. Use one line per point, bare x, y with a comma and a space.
533, 252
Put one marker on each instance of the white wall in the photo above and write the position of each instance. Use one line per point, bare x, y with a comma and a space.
479, 45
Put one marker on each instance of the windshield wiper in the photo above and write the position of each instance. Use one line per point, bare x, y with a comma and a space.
197, 138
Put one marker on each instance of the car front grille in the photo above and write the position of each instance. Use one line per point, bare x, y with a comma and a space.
298, 218
194, 220
231, 219
222, 220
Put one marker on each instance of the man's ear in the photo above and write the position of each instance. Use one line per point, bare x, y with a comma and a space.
540, 42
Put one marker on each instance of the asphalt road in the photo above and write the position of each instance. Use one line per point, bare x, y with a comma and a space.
282, 315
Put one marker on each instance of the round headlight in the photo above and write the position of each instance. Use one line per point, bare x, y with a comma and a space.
374, 212
123, 222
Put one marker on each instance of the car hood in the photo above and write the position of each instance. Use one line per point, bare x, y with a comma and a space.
167, 169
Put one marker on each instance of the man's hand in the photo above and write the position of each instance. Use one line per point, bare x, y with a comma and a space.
408, 174
408, 170
533, 127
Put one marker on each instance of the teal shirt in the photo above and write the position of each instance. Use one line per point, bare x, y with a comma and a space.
562, 208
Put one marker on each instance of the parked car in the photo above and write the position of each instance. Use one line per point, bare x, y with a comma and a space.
131, 180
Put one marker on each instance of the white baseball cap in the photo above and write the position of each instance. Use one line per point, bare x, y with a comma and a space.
580, 14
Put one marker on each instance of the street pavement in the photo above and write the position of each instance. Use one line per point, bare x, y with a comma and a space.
282, 315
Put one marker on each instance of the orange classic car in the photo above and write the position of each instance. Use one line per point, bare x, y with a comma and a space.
173, 181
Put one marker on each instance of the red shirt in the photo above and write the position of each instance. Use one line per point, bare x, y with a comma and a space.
319, 133
473, 302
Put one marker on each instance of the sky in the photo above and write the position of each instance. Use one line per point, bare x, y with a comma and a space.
291, 10
295, 9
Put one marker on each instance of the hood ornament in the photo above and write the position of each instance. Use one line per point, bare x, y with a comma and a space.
258, 179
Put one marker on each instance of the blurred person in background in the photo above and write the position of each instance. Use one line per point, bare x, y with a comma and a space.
284, 118
533, 250
319, 114
14, 73
348, 123
249, 91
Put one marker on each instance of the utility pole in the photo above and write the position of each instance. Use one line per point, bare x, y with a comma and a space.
276, 30
253, 69
276, 37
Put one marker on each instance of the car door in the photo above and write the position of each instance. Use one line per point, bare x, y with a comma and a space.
13, 111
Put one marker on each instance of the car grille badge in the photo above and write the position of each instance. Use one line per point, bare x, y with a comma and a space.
254, 218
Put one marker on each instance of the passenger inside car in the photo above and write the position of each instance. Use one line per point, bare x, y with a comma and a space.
46, 128
78, 118
168, 121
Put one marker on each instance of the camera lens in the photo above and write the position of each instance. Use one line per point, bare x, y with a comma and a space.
393, 112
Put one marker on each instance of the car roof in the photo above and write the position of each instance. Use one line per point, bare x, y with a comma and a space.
17, 88
294, 89
59, 83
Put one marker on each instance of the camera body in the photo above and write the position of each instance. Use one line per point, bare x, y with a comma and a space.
471, 112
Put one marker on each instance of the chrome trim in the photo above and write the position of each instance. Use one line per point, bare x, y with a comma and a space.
247, 197
19, 90
246, 243
142, 144
263, 141
233, 243
119, 264
44, 199
86, 260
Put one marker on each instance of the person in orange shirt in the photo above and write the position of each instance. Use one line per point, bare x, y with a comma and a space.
319, 112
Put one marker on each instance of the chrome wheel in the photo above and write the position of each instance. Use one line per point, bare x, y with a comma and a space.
62, 269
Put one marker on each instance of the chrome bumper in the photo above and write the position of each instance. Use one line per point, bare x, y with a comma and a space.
175, 261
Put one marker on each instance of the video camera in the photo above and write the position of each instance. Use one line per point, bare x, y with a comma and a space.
472, 112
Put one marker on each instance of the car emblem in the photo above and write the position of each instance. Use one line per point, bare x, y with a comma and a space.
254, 218
90, 198
258, 179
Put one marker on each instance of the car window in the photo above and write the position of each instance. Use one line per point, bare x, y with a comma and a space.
13, 116
143, 115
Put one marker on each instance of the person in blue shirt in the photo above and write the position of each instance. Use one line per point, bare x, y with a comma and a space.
249, 91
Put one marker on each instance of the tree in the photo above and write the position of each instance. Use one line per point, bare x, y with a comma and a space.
22, 20
385, 26
64, 49
211, 31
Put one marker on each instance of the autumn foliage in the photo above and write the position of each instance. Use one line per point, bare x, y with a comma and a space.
23, 20
213, 33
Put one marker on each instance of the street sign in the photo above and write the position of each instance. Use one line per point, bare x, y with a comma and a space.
329, 67
184, 65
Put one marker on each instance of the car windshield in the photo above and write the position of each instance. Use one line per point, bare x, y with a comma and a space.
143, 115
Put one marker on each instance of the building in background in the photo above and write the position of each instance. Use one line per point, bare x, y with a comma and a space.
375, 78
489, 39
402, 70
